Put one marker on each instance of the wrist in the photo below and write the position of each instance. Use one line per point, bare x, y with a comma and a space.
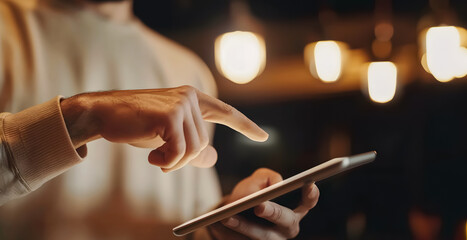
79, 119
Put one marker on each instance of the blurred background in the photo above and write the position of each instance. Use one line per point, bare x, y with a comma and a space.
337, 77
325, 79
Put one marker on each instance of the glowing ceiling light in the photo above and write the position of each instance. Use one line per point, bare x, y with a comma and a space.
325, 59
240, 56
382, 81
461, 63
446, 59
328, 60
424, 64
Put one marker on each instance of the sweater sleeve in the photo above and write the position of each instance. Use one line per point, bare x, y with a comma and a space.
34, 148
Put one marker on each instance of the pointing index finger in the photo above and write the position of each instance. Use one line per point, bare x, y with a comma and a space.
216, 111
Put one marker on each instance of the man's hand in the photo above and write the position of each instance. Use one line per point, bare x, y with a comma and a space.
285, 221
138, 117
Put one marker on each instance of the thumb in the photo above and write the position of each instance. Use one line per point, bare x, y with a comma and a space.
206, 158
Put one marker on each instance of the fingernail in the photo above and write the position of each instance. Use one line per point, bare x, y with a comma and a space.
232, 222
268, 210
266, 135
313, 193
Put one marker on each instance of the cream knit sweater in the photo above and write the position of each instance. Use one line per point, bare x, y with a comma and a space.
50, 49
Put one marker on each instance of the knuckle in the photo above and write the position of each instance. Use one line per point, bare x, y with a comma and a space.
247, 126
169, 163
204, 143
184, 87
243, 228
173, 115
194, 149
313, 204
188, 90
270, 235
187, 87
183, 103
228, 109
293, 232
267, 235
296, 221
294, 229
317, 195
204, 140
178, 148
277, 213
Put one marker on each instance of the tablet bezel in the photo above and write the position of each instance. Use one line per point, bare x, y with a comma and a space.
317, 173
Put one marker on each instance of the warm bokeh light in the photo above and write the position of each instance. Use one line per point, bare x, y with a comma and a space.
328, 60
382, 81
424, 64
381, 49
446, 58
356, 225
240, 56
466, 229
461, 64
384, 31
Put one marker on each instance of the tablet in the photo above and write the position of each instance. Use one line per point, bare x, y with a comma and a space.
320, 172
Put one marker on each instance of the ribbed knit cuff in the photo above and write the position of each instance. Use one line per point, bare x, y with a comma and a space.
40, 143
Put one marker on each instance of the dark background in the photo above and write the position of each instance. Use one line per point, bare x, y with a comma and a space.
421, 163
420, 136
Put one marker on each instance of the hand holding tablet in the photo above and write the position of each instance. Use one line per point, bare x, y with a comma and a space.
320, 172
